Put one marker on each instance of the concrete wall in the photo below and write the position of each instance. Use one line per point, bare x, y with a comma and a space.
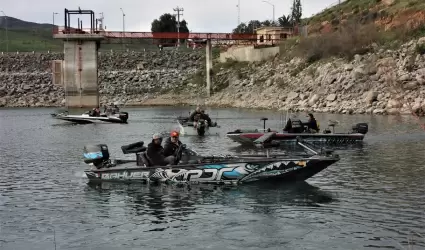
80, 74
249, 54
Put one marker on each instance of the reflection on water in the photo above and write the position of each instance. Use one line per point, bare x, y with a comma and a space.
373, 198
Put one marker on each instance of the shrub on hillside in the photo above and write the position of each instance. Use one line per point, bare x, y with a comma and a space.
351, 39
420, 49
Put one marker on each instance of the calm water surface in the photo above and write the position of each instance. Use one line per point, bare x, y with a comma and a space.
372, 199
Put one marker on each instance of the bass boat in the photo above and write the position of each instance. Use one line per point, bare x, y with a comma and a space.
86, 118
273, 137
193, 168
186, 127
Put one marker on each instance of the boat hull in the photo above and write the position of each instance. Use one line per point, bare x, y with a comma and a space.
282, 170
86, 119
249, 138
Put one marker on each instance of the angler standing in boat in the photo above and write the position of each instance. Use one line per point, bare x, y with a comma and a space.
155, 152
206, 117
195, 116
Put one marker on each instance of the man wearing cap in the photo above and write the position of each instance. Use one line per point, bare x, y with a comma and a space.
195, 116
155, 152
172, 144
206, 117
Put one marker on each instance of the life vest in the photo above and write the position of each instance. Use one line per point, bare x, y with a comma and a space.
296, 124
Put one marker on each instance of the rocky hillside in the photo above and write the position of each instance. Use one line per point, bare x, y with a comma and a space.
25, 79
379, 82
388, 14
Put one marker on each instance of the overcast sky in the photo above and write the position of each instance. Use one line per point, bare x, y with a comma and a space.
202, 15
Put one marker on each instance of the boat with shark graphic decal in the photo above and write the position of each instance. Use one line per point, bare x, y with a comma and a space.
194, 168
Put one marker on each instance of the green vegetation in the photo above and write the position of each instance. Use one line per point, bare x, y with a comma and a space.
25, 36
28, 40
352, 38
42, 40
358, 8
284, 21
420, 49
351, 30
168, 23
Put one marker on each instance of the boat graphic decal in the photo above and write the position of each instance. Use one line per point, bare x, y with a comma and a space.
274, 168
93, 155
213, 173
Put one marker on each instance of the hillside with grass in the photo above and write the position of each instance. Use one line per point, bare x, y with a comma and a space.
358, 27
26, 36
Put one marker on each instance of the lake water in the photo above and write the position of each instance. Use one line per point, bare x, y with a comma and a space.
372, 199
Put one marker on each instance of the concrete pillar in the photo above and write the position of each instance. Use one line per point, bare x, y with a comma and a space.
209, 65
80, 69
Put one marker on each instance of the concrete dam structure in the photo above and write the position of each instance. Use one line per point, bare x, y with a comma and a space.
78, 71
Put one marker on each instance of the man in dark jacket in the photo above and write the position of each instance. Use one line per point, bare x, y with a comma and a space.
172, 144
312, 123
155, 152
195, 115
206, 117
293, 125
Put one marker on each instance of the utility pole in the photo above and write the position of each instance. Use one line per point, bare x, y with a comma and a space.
7, 38
100, 20
178, 10
273, 10
239, 12
54, 13
123, 26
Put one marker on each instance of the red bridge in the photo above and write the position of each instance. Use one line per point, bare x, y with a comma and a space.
158, 35
126, 37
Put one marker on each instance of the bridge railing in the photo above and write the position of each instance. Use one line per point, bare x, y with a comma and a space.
156, 35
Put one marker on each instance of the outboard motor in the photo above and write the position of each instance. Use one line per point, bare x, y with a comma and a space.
201, 127
96, 154
123, 116
361, 128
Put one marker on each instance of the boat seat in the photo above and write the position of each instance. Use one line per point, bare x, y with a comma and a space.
143, 160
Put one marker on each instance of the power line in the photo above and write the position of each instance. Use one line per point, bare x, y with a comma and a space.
179, 13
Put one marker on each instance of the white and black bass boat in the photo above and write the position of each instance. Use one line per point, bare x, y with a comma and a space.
193, 168
186, 127
87, 117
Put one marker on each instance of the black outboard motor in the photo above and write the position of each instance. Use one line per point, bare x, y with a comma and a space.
361, 128
96, 154
123, 116
201, 127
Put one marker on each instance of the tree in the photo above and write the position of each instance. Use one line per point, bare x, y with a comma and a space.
249, 28
284, 21
168, 23
296, 12
266, 23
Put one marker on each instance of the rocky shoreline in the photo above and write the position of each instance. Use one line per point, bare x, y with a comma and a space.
383, 82
129, 77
